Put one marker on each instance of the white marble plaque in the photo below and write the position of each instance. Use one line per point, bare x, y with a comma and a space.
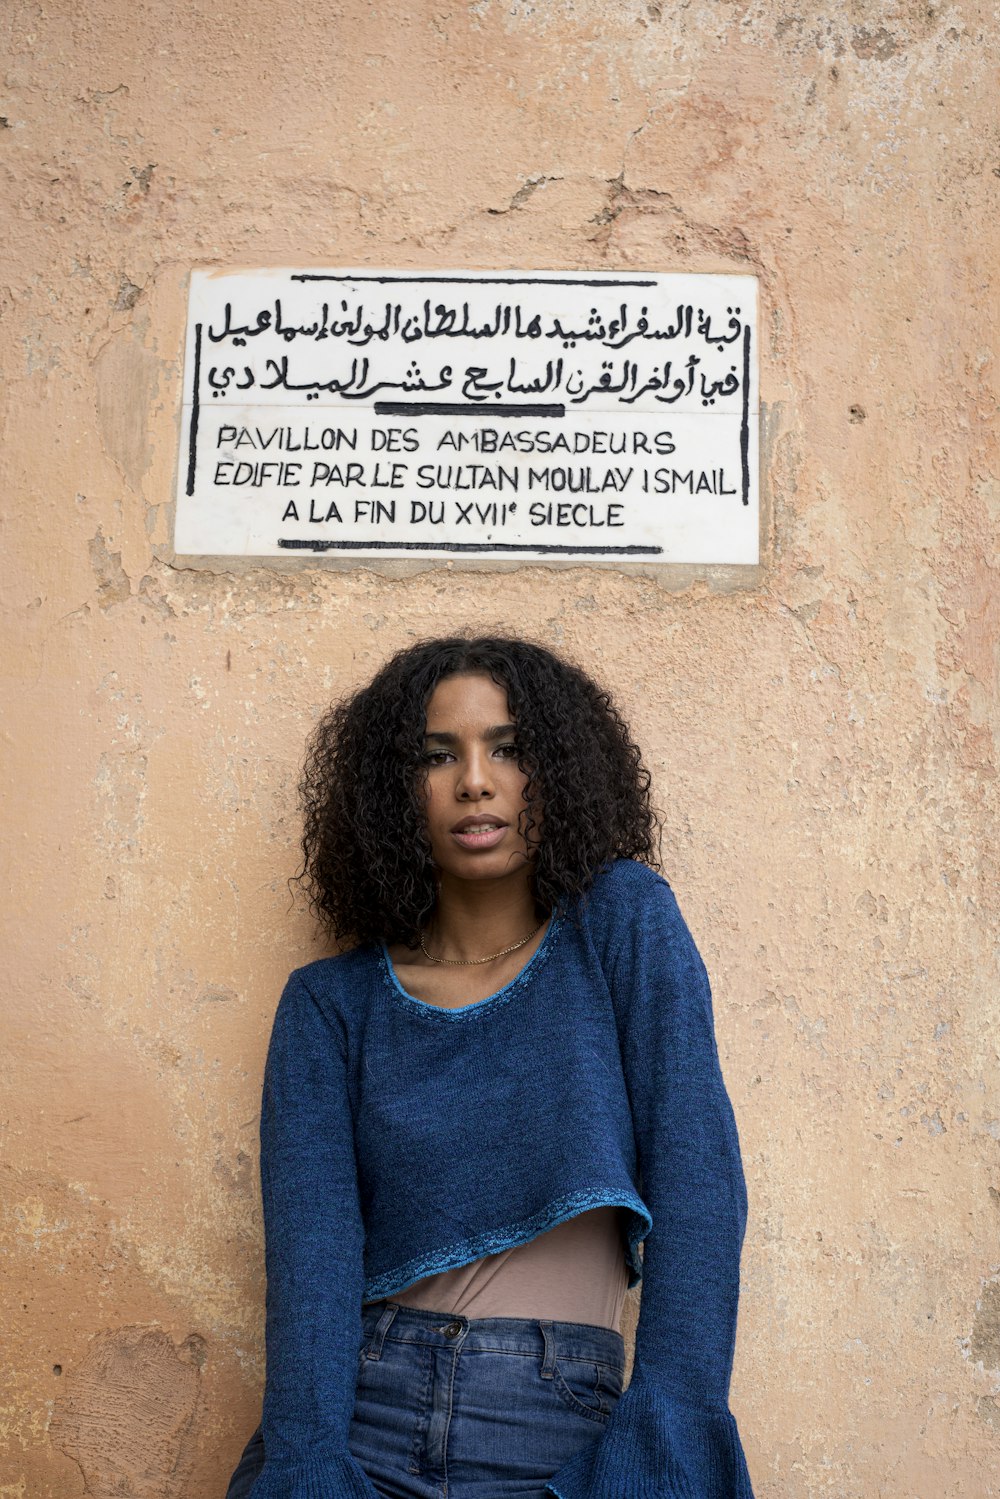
598, 416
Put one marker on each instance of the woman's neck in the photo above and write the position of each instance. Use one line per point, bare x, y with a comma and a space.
471, 920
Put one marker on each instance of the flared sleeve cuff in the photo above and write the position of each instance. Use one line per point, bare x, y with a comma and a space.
336, 1476
655, 1446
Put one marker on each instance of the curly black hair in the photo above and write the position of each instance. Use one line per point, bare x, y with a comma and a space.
367, 864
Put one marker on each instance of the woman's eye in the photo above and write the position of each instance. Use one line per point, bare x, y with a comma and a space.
444, 756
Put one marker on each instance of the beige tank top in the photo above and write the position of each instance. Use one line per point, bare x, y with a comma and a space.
575, 1272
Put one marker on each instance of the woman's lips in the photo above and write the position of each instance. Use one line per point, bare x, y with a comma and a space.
485, 837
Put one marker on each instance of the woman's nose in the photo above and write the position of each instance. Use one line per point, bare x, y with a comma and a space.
475, 780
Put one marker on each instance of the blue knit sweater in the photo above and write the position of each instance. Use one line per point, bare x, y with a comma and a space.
399, 1138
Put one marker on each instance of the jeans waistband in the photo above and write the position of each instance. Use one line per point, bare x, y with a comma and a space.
412, 1324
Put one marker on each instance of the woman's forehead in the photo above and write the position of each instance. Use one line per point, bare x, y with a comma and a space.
467, 697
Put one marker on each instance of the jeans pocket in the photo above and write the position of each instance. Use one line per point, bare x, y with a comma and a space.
586, 1386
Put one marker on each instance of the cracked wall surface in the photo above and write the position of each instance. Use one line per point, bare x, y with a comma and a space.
822, 729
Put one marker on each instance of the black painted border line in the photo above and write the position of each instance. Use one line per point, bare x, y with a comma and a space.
463, 408
471, 280
309, 545
745, 425
195, 407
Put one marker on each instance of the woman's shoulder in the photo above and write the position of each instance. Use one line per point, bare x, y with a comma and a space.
622, 884
642, 938
334, 983
631, 904
338, 968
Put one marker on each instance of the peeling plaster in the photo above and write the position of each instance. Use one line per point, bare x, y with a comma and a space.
127, 378
126, 1414
984, 1345
112, 585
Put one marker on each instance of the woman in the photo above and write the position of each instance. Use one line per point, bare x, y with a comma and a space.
473, 1116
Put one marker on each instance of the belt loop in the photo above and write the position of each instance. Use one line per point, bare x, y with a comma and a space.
381, 1328
549, 1361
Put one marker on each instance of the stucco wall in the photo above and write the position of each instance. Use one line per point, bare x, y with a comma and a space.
822, 729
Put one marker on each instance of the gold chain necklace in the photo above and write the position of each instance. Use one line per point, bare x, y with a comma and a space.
470, 962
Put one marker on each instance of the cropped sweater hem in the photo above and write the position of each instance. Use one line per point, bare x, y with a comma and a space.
519, 1233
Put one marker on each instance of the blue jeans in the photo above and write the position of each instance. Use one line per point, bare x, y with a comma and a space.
490, 1407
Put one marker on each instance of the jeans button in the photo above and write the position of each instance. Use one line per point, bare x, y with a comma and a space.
452, 1330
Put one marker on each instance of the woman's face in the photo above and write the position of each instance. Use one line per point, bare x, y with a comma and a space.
473, 795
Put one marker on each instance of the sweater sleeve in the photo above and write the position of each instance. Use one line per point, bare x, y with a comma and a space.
671, 1434
313, 1243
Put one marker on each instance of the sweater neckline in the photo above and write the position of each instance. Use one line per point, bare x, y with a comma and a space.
500, 996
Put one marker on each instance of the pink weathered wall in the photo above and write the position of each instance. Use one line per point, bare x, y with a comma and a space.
822, 729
